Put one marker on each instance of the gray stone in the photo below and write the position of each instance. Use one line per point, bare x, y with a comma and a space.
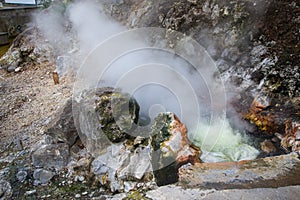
142, 162
51, 156
42, 176
5, 190
30, 192
122, 163
62, 127
4, 173
129, 185
11, 68
105, 116
172, 192
278, 171
21, 176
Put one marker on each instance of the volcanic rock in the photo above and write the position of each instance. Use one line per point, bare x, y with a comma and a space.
278, 171
163, 193
51, 156
172, 148
62, 127
42, 176
125, 167
21, 176
5, 190
141, 162
117, 113
268, 147
291, 141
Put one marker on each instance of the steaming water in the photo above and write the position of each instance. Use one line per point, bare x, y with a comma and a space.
220, 143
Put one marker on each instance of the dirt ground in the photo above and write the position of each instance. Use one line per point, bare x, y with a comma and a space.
28, 101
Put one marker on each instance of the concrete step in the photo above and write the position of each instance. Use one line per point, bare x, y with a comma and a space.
3, 38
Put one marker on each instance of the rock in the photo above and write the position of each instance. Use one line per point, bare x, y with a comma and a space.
5, 190
290, 141
11, 68
103, 117
143, 162
79, 178
51, 156
18, 69
123, 166
63, 64
268, 147
260, 115
117, 113
172, 148
277, 171
31, 192
62, 127
270, 117
129, 185
177, 192
4, 173
42, 176
21, 176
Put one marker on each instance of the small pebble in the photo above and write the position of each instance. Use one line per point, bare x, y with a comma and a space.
84, 193
21, 176
81, 178
18, 69
77, 196
27, 193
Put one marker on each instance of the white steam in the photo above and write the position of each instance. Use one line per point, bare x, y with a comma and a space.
159, 80
91, 25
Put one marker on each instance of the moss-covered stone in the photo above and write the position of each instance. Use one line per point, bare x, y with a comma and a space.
160, 130
117, 113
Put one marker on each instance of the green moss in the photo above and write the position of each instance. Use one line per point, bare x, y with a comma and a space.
160, 130
117, 113
136, 195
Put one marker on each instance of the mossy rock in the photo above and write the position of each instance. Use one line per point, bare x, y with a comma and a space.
117, 113
160, 130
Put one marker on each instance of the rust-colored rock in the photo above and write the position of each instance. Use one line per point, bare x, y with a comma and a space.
291, 140
176, 143
265, 121
55, 77
268, 147
272, 118
172, 148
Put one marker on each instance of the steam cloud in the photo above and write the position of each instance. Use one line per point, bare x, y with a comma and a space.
75, 30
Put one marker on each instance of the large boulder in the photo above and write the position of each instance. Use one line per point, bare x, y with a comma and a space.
104, 116
117, 113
